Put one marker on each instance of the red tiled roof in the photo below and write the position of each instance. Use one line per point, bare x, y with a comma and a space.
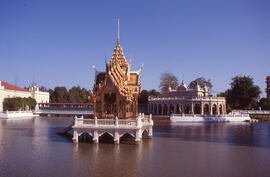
12, 87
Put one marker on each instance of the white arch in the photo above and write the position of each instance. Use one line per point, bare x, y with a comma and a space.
90, 133
99, 135
80, 133
127, 133
145, 130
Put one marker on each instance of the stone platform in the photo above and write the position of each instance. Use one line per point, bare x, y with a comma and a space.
114, 127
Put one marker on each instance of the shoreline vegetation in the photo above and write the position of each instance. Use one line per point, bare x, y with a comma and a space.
242, 94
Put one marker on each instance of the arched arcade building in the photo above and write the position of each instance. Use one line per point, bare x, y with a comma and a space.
184, 100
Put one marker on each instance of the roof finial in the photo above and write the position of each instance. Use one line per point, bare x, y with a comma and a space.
118, 32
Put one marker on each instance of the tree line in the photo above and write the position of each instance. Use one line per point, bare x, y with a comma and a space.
57, 95
242, 94
74, 95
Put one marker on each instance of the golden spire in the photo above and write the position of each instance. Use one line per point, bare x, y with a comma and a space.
118, 33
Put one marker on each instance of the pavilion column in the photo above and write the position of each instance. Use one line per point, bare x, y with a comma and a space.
75, 136
150, 132
182, 108
168, 109
101, 109
211, 109
116, 137
95, 137
136, 107
218, 109
202, 109
95, 109
175, 108
192, 108
138, 136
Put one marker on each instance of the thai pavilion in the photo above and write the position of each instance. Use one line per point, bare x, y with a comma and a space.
185, 100
115, 91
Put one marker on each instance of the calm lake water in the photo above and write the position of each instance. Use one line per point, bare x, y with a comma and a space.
33, 148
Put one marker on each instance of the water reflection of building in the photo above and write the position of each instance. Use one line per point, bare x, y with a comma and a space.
187, 101
268, 86
115, 92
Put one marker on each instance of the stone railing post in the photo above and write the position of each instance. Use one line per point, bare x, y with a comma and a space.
96, 122
116, 121
75, 121
139, 121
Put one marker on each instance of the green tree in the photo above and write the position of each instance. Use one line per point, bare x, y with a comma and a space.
73, 95
43, 89
167, 80
12, 104
264, 103
143, 98
18, 103
79, 95
201, 81
153, 92
59, 95
243, 94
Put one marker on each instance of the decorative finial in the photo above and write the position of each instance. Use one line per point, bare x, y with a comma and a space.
118, 42
95, 69
142, 66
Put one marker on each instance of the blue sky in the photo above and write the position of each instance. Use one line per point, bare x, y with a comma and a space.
56, 42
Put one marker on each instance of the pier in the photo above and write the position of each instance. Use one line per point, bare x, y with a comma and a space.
262, 115
114, 127
209, 118
66, 109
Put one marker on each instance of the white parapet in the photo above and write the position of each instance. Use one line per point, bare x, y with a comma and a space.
209, 118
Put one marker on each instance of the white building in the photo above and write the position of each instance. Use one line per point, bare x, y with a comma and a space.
184, 100
11, 91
